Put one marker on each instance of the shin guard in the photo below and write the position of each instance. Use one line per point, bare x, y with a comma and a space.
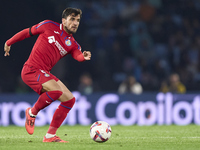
60, 115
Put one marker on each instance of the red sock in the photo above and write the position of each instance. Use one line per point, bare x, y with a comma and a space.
60, 115
45, 100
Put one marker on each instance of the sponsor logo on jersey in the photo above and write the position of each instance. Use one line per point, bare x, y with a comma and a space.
68, 42
60, 48
51, 39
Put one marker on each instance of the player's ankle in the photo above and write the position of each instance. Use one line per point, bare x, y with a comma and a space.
48, 135
31, 114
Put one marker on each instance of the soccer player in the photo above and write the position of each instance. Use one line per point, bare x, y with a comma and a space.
55, 41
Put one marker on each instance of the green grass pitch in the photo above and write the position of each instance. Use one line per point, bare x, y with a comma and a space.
122, 138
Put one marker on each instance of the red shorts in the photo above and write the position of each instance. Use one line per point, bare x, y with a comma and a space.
35, 77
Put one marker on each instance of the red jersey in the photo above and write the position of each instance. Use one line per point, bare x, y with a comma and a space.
52, 44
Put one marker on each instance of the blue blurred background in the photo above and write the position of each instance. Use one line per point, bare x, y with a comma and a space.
147, 39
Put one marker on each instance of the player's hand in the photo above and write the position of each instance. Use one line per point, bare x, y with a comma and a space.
7, 50
87, 55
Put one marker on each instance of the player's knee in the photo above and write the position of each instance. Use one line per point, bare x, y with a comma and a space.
54, 94
66, 96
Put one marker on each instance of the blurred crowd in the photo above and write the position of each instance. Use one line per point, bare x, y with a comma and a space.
147, 39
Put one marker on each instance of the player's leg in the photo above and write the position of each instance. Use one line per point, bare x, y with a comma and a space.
46, 85
45, 99
58, 85
51, 91
67, 101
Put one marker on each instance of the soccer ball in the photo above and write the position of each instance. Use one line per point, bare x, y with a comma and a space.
100, 131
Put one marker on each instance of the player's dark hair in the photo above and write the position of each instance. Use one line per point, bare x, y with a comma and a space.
68, 11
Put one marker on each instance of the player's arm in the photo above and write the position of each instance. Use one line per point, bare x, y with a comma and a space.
26, 33
17, 37
79, 56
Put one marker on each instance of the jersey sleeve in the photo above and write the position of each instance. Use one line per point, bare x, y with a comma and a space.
18, 37
26, 33
39, 28
78, 55
76, 52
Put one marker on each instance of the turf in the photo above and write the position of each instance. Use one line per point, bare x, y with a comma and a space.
123, 138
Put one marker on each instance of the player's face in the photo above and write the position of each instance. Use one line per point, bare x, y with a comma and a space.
71, 23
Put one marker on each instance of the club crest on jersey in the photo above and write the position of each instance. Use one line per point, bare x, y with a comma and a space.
46, 75
68, 42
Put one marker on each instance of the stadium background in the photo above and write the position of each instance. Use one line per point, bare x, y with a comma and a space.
149, 39
149, 44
